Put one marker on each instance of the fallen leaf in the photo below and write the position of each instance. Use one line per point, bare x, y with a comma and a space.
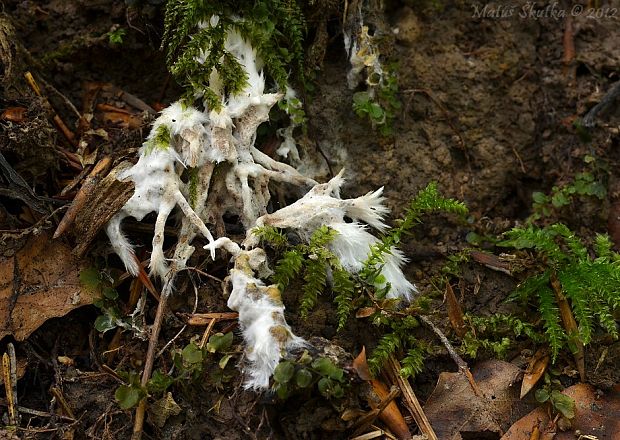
360, 366
455, 412
455, 313
535, 369
14, 114
365, 312
596, 415
390, 415
570, 325
162, 409
39, 282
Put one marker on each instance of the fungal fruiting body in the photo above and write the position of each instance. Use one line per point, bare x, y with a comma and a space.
178, 138
322, 206
266, 334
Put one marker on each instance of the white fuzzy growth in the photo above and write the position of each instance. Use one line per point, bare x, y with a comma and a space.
253, 92
322, 206
259, 315
352, 245
158, 185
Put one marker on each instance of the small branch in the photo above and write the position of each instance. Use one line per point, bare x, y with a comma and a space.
367, 419
410, 399
150, 353
463, 368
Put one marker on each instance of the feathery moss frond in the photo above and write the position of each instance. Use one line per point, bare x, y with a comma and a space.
287, 268
591, 284
344, 289
196, 29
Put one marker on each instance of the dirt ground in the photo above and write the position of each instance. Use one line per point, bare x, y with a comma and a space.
489, 106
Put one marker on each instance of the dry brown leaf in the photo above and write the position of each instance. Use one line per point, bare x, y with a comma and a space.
596, 415
360, 366
455, 313
454, 409
535, 369
391, 415
365, 312
38, 282
14, 114
570, 325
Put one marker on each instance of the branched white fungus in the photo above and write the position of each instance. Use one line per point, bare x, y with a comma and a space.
224, 173
322, 205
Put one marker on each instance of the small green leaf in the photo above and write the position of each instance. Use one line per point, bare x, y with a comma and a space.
559, 199
128, 396
284, 372
541, 395
159, 382
110, 293
324, 386
224, 361
192, 354
564, 404
325, 367
282, 391
90, 277
303, 378
219, 342
103, 323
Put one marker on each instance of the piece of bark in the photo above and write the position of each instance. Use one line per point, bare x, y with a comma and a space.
105, 200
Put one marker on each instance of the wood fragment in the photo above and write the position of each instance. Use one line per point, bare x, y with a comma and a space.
60, 398
570, 325
411, 401
366, 420
455, 312
568, 43
206, 318
9, 374
103, 201
207, 332
80, 198
491, 261
463, 368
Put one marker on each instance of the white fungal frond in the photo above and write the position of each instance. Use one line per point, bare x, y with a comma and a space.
352, 244
261, 315
369, 209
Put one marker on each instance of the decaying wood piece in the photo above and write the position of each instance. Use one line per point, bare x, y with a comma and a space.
103, 201
89, 185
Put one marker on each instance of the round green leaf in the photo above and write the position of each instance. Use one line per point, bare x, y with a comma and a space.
284, 372
128, 397
303, 378
192, 354
219, 342
103, 323
541, 395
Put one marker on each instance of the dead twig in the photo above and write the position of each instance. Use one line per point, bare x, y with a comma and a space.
463, 368
80, 198
206, 318
608, 99
409, 397
367, 419
568, 42
9, 374
150, 353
